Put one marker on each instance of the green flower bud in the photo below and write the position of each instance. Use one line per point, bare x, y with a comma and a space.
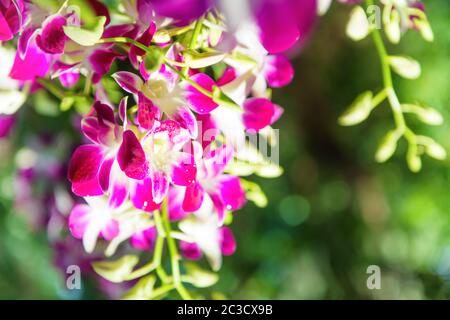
358, 111
387, 146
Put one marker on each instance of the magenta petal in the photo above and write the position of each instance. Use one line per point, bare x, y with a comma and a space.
185, 171
131, 157
176, 197
111, 230
5, 32
144, 240
278, 111
232, 193
78, 220
6, 124
24, 40
258, 113
101, 61
193, 197
199, 102
104, 173
69, 79
83, 170
208, 130
217, 159
278, 24
118, 188
190, 251
147, 112
141, 195
67, 76
104, 112
87, 188
228, 75
160, 186
182, 11
219, 205
144, 39
187, 120
100, 9
90, 128
52, 37
128, 81
34, 64
123, 110
119, 30
227, 241
278, 71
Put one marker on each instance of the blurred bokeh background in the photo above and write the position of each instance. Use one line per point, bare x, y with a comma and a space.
332, 214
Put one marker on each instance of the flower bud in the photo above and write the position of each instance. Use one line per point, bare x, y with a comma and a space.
432, 148
387, 146
427, 115
425, 29
358, 111
414, 162
392, 26
358, 25
405, 66
153, 59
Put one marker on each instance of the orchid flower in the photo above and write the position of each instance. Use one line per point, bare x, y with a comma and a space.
206, 236
224, 191
12, 17
98, 219
159, 156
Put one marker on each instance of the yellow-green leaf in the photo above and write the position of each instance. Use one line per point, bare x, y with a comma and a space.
86, 37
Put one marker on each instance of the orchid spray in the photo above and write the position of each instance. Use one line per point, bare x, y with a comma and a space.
173, 99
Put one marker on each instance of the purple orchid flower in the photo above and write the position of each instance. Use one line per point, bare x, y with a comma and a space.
89, 221
225, 191
205, 235
94, 168
12, 17
158, 158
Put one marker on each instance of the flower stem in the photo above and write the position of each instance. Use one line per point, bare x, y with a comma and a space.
193, 40
388, 83
174, 255
154, 264
125, 40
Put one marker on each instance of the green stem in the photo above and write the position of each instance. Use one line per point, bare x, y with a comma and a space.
190, 81
220, 98
387, 79
193, 40
87, 84
162, 290
125, 40
154, 264
174, 255
54, 90
50, 87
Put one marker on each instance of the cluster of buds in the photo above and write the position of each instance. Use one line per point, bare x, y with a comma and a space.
395, 17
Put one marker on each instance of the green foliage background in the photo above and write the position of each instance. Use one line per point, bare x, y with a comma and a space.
333, 213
